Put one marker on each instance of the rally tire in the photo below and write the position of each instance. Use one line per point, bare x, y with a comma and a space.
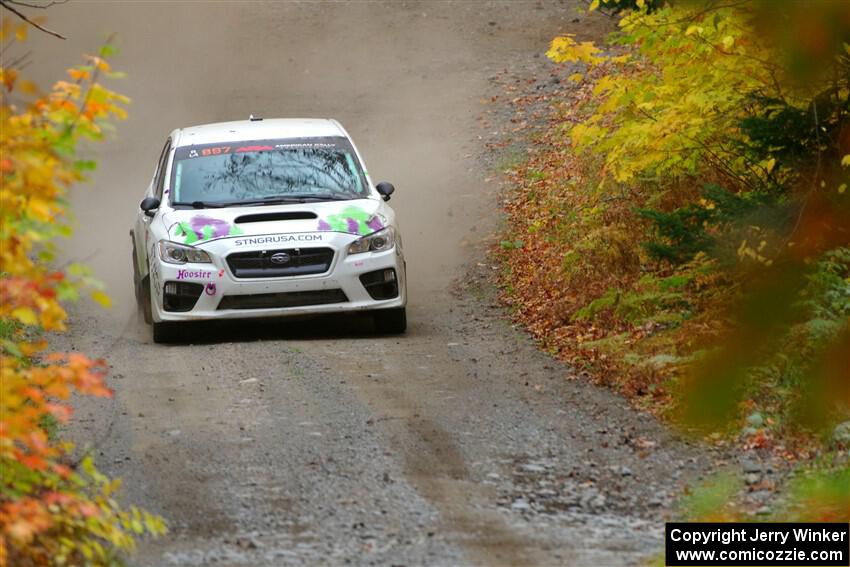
390, 321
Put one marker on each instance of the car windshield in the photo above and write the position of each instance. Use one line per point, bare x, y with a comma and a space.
266, 171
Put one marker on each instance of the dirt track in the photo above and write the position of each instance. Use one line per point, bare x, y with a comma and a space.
318, 442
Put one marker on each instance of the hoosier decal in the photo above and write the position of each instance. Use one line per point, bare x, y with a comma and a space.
186, 274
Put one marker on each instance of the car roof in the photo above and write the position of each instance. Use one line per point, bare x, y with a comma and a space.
258, 129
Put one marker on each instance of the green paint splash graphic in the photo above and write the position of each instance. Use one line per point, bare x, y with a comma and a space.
353, 220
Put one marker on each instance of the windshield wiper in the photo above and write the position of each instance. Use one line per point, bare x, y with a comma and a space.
201, 204
275, 200
314, 198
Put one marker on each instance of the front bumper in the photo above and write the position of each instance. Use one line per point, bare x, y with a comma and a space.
221, 295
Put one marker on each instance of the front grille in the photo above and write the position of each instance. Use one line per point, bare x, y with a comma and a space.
296, 262
288, 299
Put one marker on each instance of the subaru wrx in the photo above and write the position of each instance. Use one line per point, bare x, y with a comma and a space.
265, 218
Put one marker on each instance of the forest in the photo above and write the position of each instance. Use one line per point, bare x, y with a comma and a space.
681, 228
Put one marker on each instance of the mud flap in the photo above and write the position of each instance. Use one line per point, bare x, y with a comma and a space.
145, 304
137, 284
141, 286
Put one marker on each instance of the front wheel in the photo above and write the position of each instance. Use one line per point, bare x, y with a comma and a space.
390, 321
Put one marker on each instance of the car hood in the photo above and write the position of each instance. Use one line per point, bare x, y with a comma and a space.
197, 226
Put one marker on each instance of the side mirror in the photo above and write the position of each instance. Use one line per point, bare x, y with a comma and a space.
149, 205
385, 189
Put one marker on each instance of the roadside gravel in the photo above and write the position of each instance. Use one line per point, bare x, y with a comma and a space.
316, 441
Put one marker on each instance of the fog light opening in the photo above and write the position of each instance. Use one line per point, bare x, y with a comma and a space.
181, 296
381, 284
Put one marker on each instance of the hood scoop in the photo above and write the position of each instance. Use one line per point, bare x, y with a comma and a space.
279, 216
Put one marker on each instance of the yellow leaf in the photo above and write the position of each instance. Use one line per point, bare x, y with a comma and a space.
21, 31
564, 49
845, 161
728, 42
8, 77
39, 208
25, 315
577, 77
603, 84
99, 63
842, 188
771, 163
28, 87
102, 298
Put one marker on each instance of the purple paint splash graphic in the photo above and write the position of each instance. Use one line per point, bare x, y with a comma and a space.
375, 223
353, 225
324, 225
219, 227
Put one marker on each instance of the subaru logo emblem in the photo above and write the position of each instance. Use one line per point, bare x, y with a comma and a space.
279, 258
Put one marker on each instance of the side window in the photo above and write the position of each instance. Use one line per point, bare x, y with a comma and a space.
160, 170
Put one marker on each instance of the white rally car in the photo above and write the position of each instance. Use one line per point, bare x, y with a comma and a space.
265, 218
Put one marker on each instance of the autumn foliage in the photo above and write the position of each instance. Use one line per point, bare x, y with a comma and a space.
681, 229
55, 508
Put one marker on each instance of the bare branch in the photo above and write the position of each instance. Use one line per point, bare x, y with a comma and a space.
38, 6
19, 63
8, 5
710, 6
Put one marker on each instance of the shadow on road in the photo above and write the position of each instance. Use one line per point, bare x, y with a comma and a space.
318, 327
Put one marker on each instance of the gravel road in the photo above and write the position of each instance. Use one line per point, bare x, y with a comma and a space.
316, 441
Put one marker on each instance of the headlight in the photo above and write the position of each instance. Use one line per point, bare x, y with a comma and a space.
174, 253
376, 242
